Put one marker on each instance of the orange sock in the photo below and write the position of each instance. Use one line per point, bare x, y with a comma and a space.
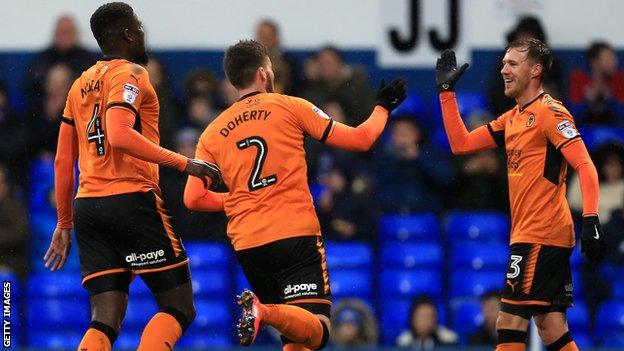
295, 347
294, 323
161, 333
511, 346
95, 340
571, 346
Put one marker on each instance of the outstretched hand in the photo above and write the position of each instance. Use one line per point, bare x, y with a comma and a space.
202, 169
57, 253
391, 96
447, 73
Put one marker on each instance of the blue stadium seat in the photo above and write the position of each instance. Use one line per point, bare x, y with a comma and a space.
212, 313
69, 314
55, 340
196, 339
614, 341
610, 318
129, 337
576, 260
488, 226
420, 226
617, 290
577, 284
407, 283
351, 282
440, 140
480, 256
467, 315
55, 285
582, 340
139, 312
348, 255
469, 102
213, 283
413, 105
594, 136
578, 318
241, 281
208, 254
411, 255
467, 283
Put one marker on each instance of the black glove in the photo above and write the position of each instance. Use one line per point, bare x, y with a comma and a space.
391, 96
447, 73
592, 240
203, 169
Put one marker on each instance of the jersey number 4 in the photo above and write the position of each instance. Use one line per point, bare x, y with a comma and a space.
255, 181
95, 133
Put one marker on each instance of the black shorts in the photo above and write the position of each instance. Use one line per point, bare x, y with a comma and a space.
538, 280
127, 233
291, 271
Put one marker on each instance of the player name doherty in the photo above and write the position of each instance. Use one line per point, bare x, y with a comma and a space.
244, 117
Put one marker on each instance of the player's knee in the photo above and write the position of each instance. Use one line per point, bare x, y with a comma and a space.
184, 318
325, 337
550, 332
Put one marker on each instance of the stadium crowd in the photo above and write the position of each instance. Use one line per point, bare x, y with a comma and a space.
410, 171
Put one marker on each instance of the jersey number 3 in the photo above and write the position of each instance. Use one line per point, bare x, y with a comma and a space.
95, 133
255, 181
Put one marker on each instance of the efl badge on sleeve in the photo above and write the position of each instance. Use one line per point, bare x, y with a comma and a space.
130, 93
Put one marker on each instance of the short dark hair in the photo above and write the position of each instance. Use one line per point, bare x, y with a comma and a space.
536, 51
241, 61
595, 49
109, 18
334, 50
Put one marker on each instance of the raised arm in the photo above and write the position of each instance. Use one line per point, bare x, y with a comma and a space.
460, 140
362, 137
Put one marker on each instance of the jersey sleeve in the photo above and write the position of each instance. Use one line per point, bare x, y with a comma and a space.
558, 126
128, 88
312, 120
68, 111
497, 129
201, 152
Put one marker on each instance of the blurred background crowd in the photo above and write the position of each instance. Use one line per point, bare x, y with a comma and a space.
416, 238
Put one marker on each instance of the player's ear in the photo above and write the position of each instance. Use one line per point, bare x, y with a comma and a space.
537, 70
127, 36
262, 73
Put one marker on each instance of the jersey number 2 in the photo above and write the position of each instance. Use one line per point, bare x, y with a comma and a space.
95, 133
255, 181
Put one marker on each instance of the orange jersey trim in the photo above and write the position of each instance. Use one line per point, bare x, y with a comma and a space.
526, 302
105, 272
160, 269
175, 242
321, 301
322, 252
529, 268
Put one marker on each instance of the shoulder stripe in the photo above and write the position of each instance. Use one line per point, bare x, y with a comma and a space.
499, 136
68, 121
123, 104
327, 130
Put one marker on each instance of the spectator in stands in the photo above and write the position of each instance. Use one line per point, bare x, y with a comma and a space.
286, 68
597, 91
425, 333
527, 27
13, 141
487, 335
342, 213
482, 178
13, 228
202, 82
187, 223
339, 81
353, 324
168, 108
411, 175
609, 160
65, 49
44, 122
200, 111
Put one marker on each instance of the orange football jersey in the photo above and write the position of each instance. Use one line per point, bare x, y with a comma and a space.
105, 171
532, 137
258, 145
